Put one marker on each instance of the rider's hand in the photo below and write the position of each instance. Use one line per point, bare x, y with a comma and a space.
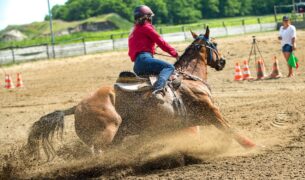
178, 57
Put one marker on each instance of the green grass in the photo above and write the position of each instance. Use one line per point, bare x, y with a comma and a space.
38, 30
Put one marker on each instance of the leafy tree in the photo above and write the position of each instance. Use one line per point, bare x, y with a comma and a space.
183, 11
60, 12
210, 8
167, 11
261, 7
230, 7
246, 7
114, 6
77, 10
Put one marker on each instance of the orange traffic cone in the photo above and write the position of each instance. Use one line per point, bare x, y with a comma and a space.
261, 72
238, 75
246, 71
275, 70
8, 82
19, 81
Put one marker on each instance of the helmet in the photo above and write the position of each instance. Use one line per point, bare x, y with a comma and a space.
142, 12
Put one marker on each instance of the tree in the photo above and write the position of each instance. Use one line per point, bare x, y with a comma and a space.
183, 11
114, 6
230, 7
59, 12
210, 8
261, 7
77, 10
167, 11
246, 7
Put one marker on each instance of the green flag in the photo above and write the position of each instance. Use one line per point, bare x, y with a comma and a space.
293, 61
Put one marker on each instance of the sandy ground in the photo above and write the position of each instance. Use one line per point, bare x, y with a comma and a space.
271, 112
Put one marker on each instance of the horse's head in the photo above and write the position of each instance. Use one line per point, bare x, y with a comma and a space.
202, 49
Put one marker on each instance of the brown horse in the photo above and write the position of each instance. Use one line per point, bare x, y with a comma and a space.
141, 114
98, 118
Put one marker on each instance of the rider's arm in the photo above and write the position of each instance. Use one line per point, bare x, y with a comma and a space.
153, 34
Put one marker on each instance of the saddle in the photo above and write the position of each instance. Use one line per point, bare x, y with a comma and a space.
130, 82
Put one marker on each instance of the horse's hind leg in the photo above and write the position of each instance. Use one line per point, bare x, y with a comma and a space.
119, 136
206, 110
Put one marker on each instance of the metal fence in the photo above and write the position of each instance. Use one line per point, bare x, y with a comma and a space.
45, 51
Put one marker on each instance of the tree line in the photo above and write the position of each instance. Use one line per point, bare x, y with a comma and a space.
167, 11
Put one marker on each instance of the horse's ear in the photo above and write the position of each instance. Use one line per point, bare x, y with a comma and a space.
194, 34
207, 33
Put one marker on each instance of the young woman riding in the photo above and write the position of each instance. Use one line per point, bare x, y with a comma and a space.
141, 43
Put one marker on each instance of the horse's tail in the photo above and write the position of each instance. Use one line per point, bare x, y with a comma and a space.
43, 130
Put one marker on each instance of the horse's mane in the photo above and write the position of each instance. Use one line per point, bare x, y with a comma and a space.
185, 58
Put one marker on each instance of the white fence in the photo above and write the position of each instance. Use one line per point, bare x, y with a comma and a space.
46, 52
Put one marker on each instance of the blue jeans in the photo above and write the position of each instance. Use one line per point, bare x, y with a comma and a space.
287, 48
145, 64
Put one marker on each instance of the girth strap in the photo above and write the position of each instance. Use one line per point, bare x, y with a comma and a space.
178, 105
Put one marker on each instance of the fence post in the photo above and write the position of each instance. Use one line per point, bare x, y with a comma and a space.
260, 25
47, 48
244, 25
183, 30
84, 43
13, 54
224, 25
275, 14
112, 38
53, 50
161, 32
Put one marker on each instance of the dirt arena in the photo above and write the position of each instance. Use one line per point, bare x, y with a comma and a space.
271, 112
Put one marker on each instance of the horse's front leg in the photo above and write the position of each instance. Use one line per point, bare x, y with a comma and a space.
205, 110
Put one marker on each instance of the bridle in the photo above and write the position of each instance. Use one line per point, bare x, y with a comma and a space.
200, 42
209, 45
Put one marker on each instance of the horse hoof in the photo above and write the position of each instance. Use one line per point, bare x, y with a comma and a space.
244, 141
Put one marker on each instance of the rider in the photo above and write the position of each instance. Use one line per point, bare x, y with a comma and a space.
141, 45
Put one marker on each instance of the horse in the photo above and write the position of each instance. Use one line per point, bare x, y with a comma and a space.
111, 114
140, 113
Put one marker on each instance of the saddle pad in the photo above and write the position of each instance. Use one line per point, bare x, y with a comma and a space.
130, 77
153, 79
133, 87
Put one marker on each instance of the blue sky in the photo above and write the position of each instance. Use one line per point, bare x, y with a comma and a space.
16, 12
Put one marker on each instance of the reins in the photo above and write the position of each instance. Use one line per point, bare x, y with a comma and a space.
196, 46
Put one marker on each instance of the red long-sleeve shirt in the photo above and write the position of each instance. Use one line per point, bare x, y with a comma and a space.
143, 39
